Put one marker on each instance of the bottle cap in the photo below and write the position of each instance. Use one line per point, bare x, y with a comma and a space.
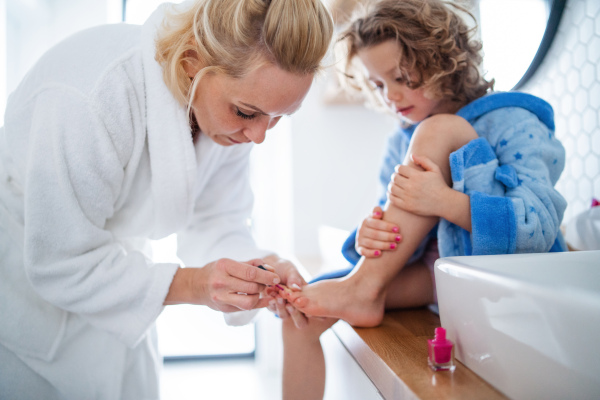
440, 334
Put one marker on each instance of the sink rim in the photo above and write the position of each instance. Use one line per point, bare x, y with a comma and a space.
464, 266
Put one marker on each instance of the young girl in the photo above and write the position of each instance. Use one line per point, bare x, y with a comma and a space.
481, 166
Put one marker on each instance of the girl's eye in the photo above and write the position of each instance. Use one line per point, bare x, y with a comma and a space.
400, 80
245, 116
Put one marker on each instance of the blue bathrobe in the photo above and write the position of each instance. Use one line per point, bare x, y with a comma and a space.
509, 173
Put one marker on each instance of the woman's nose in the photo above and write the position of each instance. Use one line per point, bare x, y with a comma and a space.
258, 130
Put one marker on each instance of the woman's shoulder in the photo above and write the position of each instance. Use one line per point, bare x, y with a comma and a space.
81, 59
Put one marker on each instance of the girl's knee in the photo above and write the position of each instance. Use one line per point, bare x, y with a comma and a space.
445, 132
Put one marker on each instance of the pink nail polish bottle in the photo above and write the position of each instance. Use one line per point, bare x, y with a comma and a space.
440, 352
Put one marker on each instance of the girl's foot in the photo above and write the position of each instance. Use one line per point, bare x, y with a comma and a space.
345, 298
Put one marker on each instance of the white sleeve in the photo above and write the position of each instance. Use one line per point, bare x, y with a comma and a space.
220, 227
220, 224
73, 178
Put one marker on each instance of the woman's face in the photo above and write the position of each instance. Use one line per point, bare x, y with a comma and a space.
382, 64
232, 111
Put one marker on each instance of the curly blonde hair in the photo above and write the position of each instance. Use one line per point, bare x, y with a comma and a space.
235, 36
437, 48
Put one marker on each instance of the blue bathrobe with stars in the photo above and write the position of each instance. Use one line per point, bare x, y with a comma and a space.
509, 173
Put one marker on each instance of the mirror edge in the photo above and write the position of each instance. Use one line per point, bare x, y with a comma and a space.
556, 12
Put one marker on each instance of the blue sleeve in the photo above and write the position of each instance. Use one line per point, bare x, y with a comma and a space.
514, 206
349, 250
395, 152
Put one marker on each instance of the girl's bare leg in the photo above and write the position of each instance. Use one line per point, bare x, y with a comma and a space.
412, 287
303, 365
360, 297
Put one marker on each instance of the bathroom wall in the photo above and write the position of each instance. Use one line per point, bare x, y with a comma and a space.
569, 79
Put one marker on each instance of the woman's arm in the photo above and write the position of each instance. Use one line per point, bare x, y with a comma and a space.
74, 175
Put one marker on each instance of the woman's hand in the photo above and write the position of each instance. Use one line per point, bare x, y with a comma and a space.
224, 285
419, 192
286, 270
376, 235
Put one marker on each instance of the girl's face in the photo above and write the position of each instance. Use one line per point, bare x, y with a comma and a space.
382, 64
232, 111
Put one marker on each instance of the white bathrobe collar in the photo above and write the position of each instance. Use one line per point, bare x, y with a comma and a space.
169, 137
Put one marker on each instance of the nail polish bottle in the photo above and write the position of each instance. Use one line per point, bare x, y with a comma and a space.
440, 352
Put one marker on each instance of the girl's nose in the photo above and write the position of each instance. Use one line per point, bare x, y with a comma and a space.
393, 95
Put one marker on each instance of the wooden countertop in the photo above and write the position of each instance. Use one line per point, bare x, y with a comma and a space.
394, 356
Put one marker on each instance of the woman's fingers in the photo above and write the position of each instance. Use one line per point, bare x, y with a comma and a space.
300, 320
250, 273
280, 309
229, 285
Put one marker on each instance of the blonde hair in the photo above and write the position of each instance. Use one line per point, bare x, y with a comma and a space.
234, 36
437, 48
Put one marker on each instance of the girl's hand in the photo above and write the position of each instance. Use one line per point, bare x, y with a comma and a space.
419, 192
376, 235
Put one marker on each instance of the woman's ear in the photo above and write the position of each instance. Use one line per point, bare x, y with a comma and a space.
191, 64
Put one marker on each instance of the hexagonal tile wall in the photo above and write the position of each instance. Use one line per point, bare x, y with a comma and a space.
569, 79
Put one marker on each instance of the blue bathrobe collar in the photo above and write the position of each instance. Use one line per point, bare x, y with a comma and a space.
496, 100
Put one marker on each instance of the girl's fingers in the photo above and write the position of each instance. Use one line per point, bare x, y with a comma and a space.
378, 236
403, 171
369, 253
395, 190
381, 225
425, 163
377, 212
398, 181
377, 244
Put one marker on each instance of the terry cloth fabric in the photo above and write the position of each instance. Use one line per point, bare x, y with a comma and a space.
509, 174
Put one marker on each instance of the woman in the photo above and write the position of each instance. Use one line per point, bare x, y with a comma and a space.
122, 134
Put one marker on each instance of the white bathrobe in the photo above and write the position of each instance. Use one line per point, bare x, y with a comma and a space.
96, 157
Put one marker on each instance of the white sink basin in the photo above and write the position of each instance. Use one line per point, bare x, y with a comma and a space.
529, 324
